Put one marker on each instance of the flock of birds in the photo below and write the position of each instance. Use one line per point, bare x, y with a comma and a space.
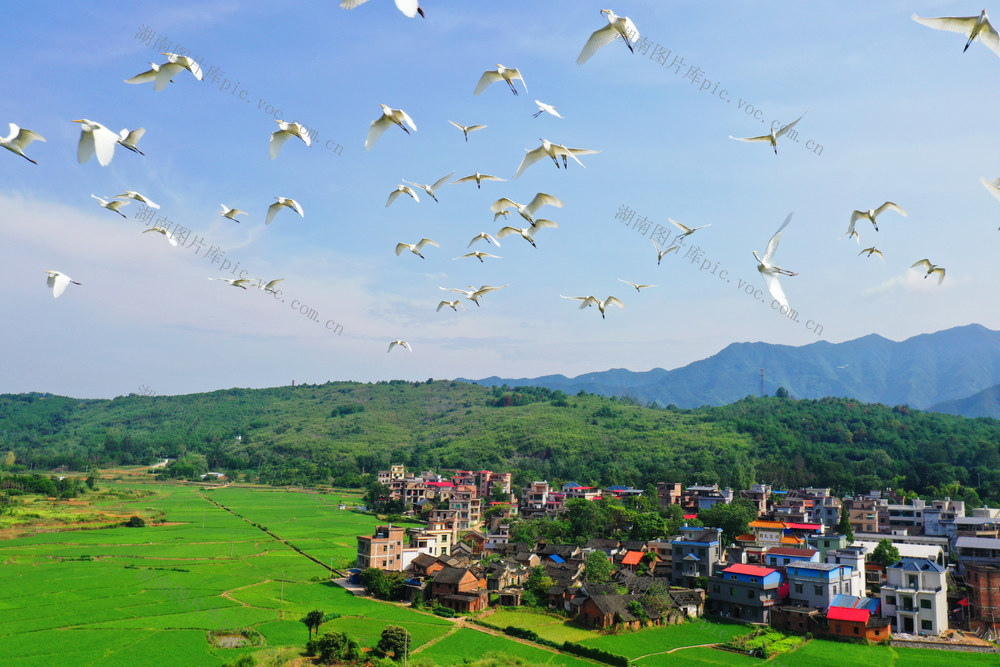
96, 139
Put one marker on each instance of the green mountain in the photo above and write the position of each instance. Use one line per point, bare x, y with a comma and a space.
920, 371
985, 403
337, 432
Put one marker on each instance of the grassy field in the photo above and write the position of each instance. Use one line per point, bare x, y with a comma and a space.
825, 652
657, 639
548, 627
465, 643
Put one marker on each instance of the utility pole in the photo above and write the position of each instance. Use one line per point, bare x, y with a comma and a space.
232, 546
762, 382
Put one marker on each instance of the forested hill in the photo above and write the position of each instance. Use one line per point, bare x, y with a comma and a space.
337, 431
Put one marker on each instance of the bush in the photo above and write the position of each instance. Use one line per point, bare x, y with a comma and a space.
135, 522
444, 612
601, 655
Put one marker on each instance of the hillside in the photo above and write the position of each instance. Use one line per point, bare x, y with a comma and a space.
920, 372
338, 431
985, 403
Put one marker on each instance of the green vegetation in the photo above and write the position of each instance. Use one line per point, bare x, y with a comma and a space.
885, 554
764, 643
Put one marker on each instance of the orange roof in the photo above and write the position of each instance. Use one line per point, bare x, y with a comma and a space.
791, 540
746, 537
632, 558
767, 524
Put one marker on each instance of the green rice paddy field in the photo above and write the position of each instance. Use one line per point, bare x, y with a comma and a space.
154, 595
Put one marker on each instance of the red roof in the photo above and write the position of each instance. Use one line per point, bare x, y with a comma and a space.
690, 516
848, 614
632, 558
754, 570
438, 484
804, 526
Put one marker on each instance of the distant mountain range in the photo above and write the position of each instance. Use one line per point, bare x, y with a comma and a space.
954, 371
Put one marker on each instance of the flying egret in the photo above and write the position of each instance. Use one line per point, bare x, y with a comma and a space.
973, 26
18, 140
485, 237
429, 189
451, 304
415, 248
130, 139
507, 74
401, 343
467, 128
852, 232
772, 138
95, 138
527, 211
132, 194
873, 251
553, 151
503, 213
162, 230
175, 64
474, 294
147, 76
545, 108
231, 213
268, 287
409, 7
527, 233
871, 214
273, 209
58, 282
235, 282
931, 268
401, 189
635, 285
113, 205
287, 130
770, 272
478, 178
592, 300
660, 254
389, 117
478, 254
687, 231
993, 187
618, 26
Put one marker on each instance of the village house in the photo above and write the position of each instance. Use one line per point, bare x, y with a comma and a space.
669, 493
383, 550
816, 584
603, 611
914, 597
745, 592
459, 589
695, 554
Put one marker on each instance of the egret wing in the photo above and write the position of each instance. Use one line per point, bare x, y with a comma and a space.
378, 126
889, 206
530, 158
143, 77
58, 284
786, 128
278, 140
598, 40
502, 204
85, 150
774, 287
408, 7
441, 181
993, 187
542, 199
613, 301
488, 77
166, 73
962, 24
272, 210
104, 145
766, 137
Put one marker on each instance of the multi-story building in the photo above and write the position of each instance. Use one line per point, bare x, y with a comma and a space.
744, 592
903, 517
695, 554
487, 482
534, 497
584, 492
383, 550
863, 514
467, 507
393, 473
668, 493
816, 584
915, 597
940, 512
826, 543
759, 495
697, 498
982, 580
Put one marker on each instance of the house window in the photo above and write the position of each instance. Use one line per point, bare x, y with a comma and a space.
911, 581
715, 588
753, 580
838, 627
732, 591
798, 588
925, 625
925, 604
890, 599
817, 590
749, 594
856, 631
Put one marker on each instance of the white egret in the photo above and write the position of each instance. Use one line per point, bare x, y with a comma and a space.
451, 304
235, 282
58, 282
147, 76
851, 232
429, 189
175, 64
268, 287
132, 194
527, 211
931, 268
273, 209
687, 231
401, 343
129, 139
770, 272
280, 136
873, 251
474, 294
545, 108
113, 205
660, 254
467, 128
592, 301
18, 140
993, 187
553, 151
478, 254
507, 74
415, 248
772, 138
381, 124
95, 138
973, 26
636, 285
478, 178
162, 230
401, 189
503, 213
409, 7
485, 237
618, 26
527, 233
871, 214
231, 213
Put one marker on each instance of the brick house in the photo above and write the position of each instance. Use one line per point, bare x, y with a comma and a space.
383, 550
459, 589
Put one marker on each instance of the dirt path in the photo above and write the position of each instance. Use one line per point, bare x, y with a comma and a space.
677, 648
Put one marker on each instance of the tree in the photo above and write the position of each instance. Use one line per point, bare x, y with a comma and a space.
598, 569
136, 522
334, 646
395, 640
844, 526
536, 587
648, 526
732, 518
885, 554
91, 482
313, 620
9, 459
781, 392
382, 584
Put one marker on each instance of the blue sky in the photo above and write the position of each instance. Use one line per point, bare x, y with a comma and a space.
898, 111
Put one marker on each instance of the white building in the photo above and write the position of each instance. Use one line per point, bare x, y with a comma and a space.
915, 597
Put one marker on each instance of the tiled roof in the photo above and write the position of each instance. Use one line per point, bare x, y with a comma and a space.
766, 524
788, 539
789, 551
746, 537
632, 558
